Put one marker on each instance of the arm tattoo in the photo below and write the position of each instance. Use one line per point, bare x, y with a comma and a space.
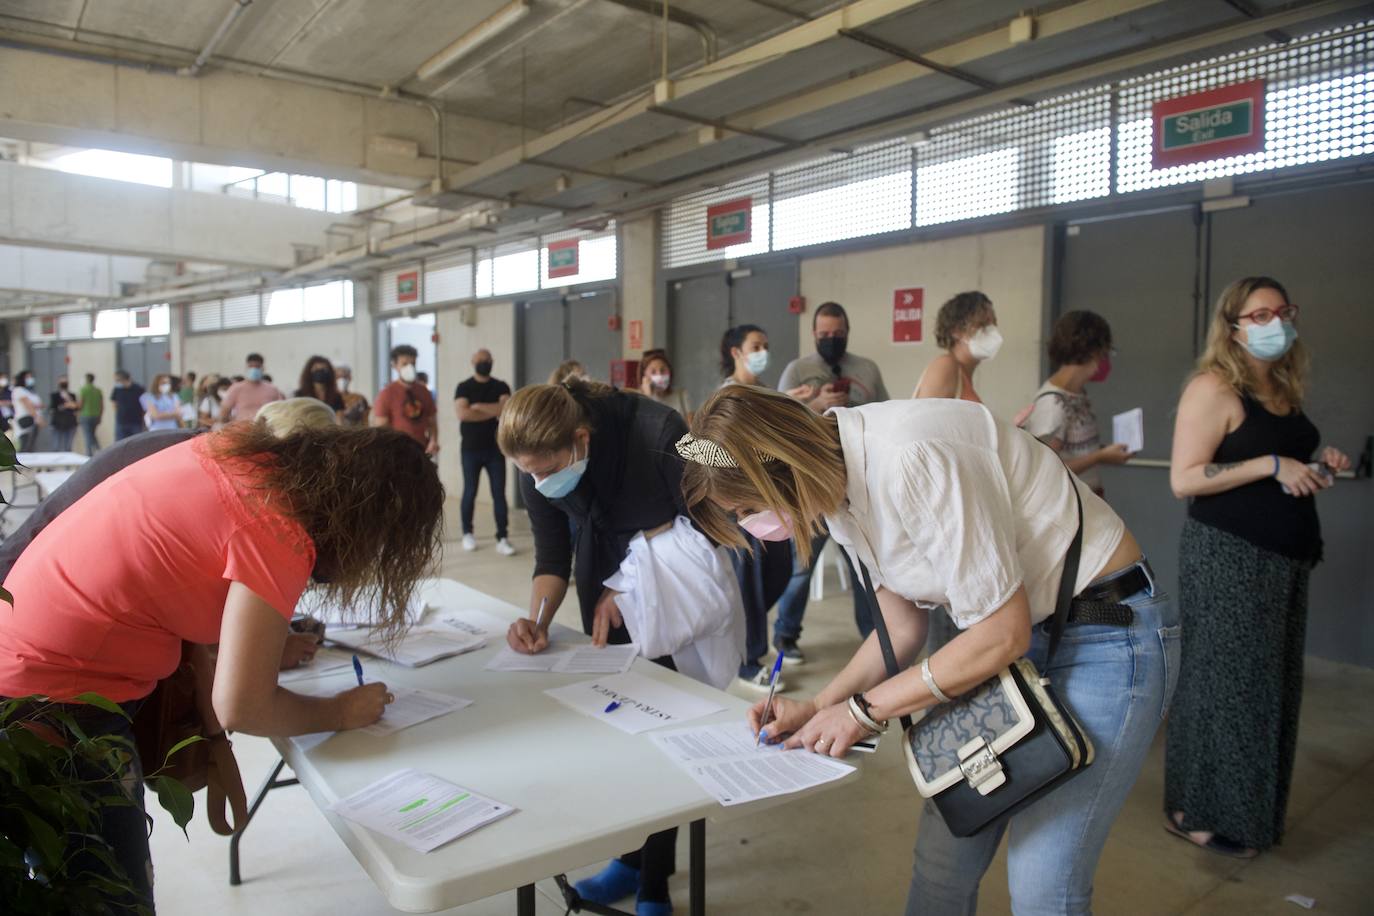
1213, 470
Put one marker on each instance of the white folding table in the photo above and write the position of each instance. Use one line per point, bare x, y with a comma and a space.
585, 791
43, 471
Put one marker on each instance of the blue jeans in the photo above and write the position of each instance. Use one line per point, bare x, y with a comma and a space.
62, 439
474, 460
1118, 681
89, 425
125, 430
792, 604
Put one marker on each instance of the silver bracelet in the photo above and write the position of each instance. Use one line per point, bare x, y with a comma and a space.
930, 682
863, 719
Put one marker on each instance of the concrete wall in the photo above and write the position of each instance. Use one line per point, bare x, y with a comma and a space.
284, 349
1007, 265
99, 358
639, 279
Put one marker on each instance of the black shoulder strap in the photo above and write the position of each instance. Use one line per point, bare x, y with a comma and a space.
884, 640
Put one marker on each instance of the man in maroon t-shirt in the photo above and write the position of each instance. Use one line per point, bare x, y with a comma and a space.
406, 404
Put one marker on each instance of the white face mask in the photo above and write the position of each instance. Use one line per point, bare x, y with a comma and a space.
660, 380
407, 373
343, 384
985, 344
165, 388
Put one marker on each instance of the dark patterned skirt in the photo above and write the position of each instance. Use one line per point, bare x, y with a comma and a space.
1233, 726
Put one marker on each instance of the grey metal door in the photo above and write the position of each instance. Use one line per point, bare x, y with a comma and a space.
47, 362
541, 339
1137, 272
760, 296
144, 358
590, 338
698, 314
1316, 243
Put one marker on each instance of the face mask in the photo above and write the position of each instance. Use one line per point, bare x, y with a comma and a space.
482, 367
561, 483
985, 344
221, 392
165, 388
756, 362
660, 381
1104, 369
343, 384
1270, 341
4, 382
407, 373
320, 376
62, 385
253, 373
768, 525
832, 349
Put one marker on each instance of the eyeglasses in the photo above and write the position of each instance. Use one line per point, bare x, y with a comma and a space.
1264, 316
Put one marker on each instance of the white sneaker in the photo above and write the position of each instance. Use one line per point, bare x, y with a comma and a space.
469, 542
760, 682
504, 548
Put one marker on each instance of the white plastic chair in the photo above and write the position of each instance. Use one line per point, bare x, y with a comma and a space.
833, 553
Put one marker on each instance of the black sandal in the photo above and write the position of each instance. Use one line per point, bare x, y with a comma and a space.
1217, 844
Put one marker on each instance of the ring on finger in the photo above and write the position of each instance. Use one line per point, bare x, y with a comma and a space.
391, 698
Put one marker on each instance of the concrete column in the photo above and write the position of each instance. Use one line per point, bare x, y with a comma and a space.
639, 279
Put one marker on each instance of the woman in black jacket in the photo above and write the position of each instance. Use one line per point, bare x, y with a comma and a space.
606, 460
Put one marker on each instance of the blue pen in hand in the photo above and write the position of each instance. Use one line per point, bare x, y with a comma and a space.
358, 670
612, 706
768, 706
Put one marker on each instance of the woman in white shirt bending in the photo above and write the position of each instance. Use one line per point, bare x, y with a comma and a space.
947, 506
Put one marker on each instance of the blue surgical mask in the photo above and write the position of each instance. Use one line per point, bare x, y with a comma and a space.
561, 483
253, 373
1270, 341
757, 361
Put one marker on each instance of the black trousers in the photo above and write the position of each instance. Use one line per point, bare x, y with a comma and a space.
474, 462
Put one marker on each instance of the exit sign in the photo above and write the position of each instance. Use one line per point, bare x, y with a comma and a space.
563, 258
1209, 125
730, 223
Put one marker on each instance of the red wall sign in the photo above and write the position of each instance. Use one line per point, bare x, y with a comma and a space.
47, 325
564, 258
1209, 125
730, 223
408, 286
636, 334
907, 310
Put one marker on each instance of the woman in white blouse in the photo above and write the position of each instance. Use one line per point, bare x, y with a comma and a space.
947, 506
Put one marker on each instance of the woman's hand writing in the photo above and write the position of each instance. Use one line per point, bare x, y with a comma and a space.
785, 716
831, 731
526, 638
363, 705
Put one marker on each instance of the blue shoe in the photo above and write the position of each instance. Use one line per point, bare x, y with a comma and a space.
614, 882
653, 907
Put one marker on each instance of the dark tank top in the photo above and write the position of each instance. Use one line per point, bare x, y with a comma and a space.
1261, 512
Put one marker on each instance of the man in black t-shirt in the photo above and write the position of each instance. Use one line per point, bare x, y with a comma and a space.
478, 402
127, 397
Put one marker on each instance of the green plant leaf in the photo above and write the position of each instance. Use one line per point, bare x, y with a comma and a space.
4, 594
9, 458
176, 799
184, 742
96, 700
46, 840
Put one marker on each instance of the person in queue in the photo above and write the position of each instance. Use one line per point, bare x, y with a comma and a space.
945, 505
605, 459
318, 382
247, 396
162, 406
355, 405
966, 329
1243, 456
477, 402
1061, 415
656, 382
356, 510
569, 368
407, 405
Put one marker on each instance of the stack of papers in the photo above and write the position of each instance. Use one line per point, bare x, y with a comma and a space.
422, 811
642, 702
725, 762
476, 623
419, 646
326, 661
411, 707
567, 659
312, 602
1129, 430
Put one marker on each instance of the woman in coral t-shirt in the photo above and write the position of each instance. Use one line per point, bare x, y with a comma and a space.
212, 541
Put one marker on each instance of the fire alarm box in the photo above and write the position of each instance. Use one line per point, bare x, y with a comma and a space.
796, 305
625, 373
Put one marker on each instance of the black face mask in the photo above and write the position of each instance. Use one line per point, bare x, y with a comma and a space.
482, 367
832, 349
321, 376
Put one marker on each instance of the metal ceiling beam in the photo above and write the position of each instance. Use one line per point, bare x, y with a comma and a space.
721, 125
897, 51
592, 173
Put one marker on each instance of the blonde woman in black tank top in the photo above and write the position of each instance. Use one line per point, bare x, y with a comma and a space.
1245, 455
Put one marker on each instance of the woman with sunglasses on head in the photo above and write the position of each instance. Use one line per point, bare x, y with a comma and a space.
945, 505
1243, 456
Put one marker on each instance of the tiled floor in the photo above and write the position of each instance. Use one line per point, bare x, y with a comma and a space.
849, 851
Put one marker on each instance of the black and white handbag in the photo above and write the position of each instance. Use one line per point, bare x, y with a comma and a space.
1002, 745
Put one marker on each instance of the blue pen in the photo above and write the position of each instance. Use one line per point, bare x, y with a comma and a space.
612, 706
768, 706
358, 670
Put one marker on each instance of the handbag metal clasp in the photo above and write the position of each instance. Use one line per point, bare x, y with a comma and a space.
980, 766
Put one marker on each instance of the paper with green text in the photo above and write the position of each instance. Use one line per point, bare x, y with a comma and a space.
420, 810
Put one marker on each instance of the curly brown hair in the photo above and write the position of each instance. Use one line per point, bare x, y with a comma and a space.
1079, 337
958, 315
370, 500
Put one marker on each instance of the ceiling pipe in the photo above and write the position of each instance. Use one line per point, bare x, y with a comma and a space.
227, 23
696, 23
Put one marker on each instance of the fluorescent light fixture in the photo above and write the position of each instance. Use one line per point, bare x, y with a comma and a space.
488, 28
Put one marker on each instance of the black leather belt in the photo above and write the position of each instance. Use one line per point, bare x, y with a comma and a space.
1101, 602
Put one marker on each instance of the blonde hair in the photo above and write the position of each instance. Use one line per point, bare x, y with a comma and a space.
569, 368
1225, 357
282, 418
786, 459
540, 419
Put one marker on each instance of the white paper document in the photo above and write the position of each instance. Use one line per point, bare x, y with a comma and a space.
724, 761
1129, 429
411, 707
313, 603
422, 811
476, 623
326, 661
644, 703
419, 646
567, 659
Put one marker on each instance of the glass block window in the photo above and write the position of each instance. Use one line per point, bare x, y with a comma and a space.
449, 279
74, 326
596, 258
242, 311
867, 192
684, 224
205, 316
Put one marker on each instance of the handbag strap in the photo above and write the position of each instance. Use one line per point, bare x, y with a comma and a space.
1061, 605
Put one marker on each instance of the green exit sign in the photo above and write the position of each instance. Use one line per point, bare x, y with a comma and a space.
1208, 125
1228, 121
